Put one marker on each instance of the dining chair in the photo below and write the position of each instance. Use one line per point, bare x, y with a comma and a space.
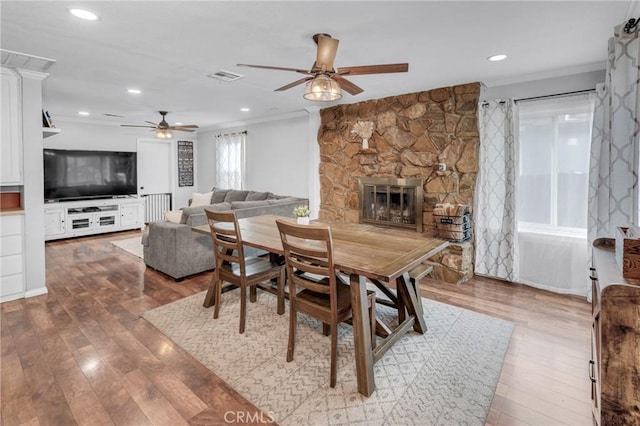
233, 267
308, 253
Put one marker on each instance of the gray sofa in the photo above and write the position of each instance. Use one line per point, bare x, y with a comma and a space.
176, 250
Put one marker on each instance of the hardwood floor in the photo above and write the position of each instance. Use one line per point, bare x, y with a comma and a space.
82, 355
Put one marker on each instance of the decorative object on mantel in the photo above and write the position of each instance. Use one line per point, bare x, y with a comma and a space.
363, 129
302, 215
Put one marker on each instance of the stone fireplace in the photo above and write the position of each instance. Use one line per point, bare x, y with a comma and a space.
429, 136
391, 202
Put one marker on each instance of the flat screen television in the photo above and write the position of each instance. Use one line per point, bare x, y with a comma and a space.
80, 175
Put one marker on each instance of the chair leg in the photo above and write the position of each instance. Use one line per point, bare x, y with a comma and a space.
293, 320
334, 354
218, 298
326, 330
281, 281
243, 306
372, 319
253, 294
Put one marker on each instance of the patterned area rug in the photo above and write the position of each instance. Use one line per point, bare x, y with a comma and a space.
446, 376
130, 245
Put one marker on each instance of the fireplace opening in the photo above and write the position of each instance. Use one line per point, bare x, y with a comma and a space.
391, 202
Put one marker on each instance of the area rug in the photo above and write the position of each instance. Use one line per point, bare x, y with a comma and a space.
131, 245
446, 376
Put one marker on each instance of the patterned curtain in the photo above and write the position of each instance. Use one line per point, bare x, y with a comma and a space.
230, 158
613, 174
495, 200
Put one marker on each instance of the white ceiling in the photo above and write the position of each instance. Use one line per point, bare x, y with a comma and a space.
166, 49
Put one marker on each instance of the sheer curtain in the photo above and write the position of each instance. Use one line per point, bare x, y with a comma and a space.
554, 143
230, 160
495, 198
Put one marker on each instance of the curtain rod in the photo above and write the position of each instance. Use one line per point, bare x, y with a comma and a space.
577, 92
232, 134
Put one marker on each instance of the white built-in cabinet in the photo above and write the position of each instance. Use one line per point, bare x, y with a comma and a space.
12, 283
11, 127
79, 218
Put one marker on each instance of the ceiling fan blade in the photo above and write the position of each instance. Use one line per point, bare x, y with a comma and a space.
181, 128
327, 48
294, 84
347, 86
267, 67
133, 125
374, 69
188, 126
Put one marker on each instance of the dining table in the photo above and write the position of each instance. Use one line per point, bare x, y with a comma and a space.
383, 256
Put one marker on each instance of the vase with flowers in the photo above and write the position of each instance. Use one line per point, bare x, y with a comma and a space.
302, 214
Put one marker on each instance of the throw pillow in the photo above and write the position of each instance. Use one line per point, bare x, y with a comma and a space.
236, 195
173, 216
257, 196
198, 199
218, 195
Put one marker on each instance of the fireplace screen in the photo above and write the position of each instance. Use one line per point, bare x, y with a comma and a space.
392, 202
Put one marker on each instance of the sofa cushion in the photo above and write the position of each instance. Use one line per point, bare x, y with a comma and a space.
283, 200
235, 195
218, 195
235, 205
198, 199
257, 196
174, 216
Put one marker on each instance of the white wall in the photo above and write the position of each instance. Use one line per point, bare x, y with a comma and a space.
110, 137
544, 87
277, 156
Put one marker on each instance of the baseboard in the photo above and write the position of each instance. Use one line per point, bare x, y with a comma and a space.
36, 292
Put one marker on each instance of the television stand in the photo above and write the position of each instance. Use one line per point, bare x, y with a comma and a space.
68, 219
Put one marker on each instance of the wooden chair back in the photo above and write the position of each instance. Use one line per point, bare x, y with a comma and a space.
227, 240
309, 250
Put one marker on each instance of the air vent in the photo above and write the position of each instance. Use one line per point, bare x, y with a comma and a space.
25, 61
113, 115
225, 75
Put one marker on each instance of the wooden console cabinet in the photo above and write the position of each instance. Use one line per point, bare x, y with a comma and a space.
615, 340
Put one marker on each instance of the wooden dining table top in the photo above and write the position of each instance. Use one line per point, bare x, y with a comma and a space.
373, 252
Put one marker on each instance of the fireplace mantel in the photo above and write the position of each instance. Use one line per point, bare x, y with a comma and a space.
391, 202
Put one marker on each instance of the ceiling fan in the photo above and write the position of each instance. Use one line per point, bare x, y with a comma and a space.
323, 81
163, 129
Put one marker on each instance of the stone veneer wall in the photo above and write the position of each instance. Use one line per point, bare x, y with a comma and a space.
413, 133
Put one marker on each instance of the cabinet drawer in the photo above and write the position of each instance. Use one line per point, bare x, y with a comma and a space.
10, 245
11, 285
10, 265
10, 225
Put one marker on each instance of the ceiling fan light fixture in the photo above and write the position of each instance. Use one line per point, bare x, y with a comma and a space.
322, 89
163, 134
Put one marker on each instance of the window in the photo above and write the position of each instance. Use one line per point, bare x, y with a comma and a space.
230, 160
554, 144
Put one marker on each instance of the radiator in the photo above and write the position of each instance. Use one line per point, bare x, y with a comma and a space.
155, 205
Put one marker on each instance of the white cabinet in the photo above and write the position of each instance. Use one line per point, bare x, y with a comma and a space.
78, 218
11, 257
131, 215
11, 128
54, 221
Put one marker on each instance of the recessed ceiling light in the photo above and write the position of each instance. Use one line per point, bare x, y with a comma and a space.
83, 113
178, 123
84, 14
496, 58
245, 109
134, 91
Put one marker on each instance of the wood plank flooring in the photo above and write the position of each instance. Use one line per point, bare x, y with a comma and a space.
82, 355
